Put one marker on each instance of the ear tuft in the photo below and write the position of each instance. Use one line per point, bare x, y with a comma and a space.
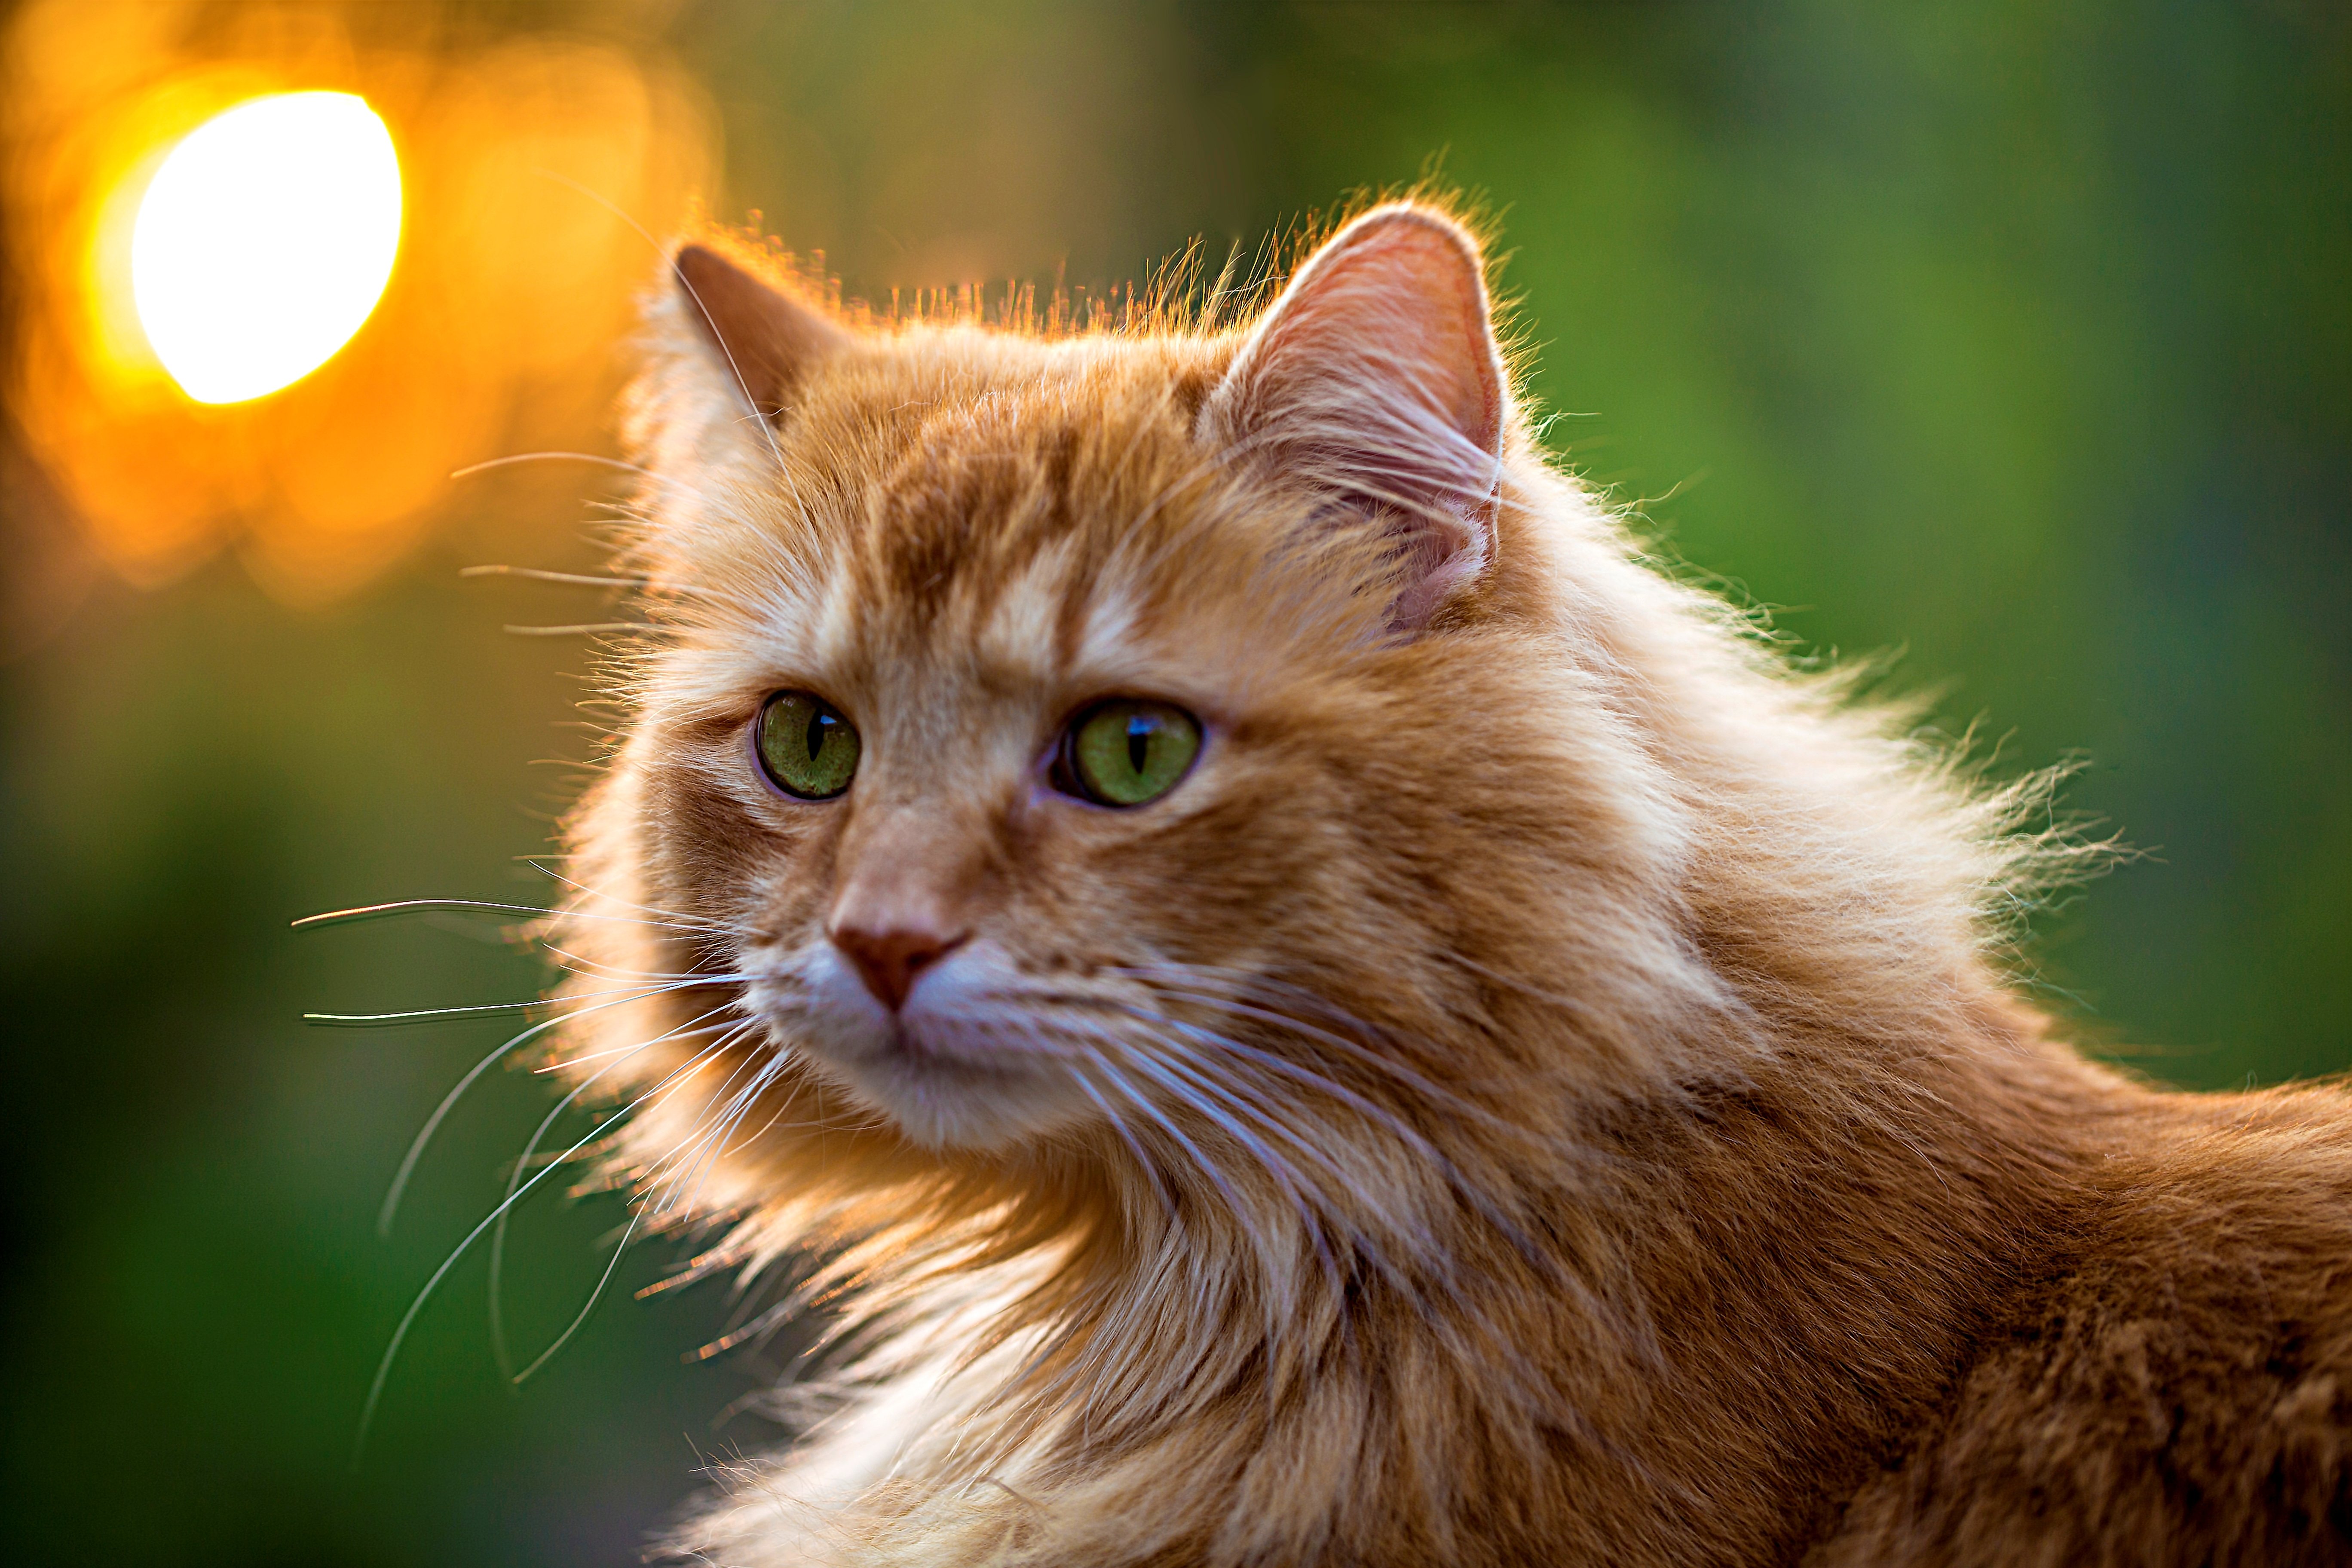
765, 338
1375, 377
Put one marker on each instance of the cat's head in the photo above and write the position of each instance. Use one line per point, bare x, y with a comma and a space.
1233, 757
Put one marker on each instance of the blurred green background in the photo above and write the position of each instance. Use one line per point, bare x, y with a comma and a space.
2019, 336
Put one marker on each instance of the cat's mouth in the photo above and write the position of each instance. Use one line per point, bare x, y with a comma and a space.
966, 1062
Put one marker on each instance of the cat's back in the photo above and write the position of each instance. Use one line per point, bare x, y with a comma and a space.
2180, 1389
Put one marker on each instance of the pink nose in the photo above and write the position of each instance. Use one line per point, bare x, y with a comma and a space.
889, 960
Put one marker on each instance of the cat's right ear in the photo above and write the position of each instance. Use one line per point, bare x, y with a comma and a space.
1375, 378
765, 340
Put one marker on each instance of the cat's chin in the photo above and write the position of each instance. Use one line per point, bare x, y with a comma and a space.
943, 1104
955, 1068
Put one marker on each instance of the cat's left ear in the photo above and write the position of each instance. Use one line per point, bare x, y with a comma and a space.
765, 340
1375, 377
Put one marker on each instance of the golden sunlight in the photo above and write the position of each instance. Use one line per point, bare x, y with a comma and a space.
205, 208
264, 241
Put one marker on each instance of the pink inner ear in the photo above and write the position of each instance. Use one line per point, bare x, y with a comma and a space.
1402, 301
1376, 377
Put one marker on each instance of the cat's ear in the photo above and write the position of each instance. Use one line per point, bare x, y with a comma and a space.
1375, 377
763, 338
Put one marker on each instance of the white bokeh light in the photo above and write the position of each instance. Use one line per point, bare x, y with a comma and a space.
264, 242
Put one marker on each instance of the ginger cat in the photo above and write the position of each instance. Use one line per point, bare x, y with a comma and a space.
1299, 1004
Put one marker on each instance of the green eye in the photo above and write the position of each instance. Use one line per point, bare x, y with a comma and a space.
1126, 752
805, 746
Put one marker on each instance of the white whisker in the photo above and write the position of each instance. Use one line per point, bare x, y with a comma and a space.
392, 1350
458, 906
449, 1102
497, 1242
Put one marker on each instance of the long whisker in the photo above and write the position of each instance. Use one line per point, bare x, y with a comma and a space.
588, 1306
742, 383
436, 1015
774, 447
1322, 1082
470, 469
449, 1102
1445, 1276
1434, 1259
1468, 1192
392, 1350
585, 628
1194, 1069
1263, 1245
604, 1281
541, 574
730, 1115
1126, 1136
462, 906
642, 583
1208, 1167
699, 1146
773, 1118
1285, 1174
1154, 1068
497, 1242
1354, 1049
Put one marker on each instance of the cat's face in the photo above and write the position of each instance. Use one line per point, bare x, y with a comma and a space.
1109, 737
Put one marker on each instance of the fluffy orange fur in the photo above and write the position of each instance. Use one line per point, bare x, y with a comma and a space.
1544, 1088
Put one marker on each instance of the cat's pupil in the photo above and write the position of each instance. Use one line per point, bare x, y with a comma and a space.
815, 739
1138, 741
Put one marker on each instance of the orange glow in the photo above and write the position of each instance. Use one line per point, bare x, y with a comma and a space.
495, 334
264, 241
